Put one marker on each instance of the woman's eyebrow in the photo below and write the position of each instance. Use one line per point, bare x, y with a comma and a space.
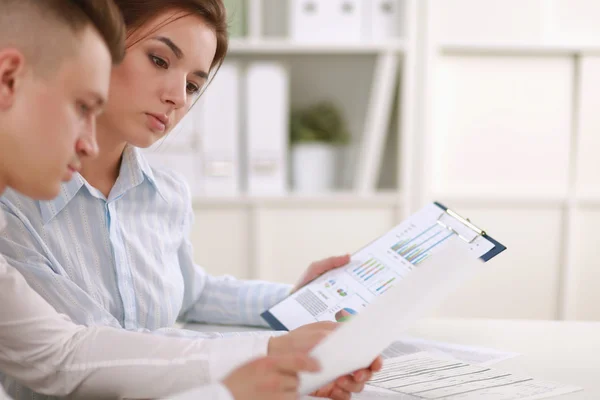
178, 53
174, 48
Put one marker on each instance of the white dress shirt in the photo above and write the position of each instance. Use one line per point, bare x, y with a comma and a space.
45, 351
124, 261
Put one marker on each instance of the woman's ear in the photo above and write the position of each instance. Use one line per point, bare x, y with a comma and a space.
12, 67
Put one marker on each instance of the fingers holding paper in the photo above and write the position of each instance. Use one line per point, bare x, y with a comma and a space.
270, 378
375, 366
343, 387
318, 268
302, 339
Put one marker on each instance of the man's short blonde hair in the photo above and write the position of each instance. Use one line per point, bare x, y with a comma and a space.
46, 31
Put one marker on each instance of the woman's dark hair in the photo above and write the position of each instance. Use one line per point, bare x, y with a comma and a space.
137, 13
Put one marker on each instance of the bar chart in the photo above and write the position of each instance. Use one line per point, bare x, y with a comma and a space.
383, 286
369, 269
374, 274
419, 246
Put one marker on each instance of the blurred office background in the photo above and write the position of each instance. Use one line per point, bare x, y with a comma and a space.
332, 120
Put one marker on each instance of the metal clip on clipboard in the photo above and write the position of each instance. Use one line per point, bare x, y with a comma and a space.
464, 223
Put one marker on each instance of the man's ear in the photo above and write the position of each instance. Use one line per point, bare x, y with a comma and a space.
12, 71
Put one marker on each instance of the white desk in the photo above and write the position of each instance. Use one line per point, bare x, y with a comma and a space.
564, 352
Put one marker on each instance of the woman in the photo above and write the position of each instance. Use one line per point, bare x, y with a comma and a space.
112, 249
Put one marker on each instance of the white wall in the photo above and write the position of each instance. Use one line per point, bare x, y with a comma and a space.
512, 133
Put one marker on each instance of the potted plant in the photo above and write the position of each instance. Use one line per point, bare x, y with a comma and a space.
316, 133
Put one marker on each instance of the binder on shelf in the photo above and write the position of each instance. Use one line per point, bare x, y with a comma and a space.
185, 164
178, 151
369, 154
218, 125
329, 21
384, 19
306, 19
182, 138
267, 124
204, 146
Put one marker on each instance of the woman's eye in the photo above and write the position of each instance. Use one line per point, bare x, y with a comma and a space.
159, 62
192, 88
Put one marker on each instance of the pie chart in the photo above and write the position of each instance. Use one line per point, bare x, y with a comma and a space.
344, 314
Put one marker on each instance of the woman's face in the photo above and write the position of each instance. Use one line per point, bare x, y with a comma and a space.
161, 77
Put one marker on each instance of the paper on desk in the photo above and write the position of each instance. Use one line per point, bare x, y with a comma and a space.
374, 392
428, 377
468, 354
359, 341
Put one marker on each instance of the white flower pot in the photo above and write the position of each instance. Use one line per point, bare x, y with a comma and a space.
313, 167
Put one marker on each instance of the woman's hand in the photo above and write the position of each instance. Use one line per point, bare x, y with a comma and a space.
318, 268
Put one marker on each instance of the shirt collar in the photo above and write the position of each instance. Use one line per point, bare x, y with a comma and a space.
134, 170
68, 190
140, 162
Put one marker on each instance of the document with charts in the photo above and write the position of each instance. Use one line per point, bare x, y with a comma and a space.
373, 270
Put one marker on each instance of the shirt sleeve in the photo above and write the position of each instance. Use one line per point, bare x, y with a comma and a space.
43, 349
223, 299
47, 352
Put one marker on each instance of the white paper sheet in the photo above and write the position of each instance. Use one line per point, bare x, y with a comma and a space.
360, 340
469, 354
427, 377
374, 392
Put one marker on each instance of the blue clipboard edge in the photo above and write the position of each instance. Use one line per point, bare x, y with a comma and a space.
498, 247
275, 324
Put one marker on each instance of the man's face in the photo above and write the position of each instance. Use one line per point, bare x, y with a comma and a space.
53, 118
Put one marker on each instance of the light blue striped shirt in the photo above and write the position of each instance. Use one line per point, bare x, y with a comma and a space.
125, 261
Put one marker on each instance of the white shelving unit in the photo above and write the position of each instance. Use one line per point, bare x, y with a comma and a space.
275, 238
286, 46
495, 115
510, 135
389, 198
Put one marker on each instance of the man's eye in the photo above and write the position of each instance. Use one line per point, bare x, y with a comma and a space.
84, 109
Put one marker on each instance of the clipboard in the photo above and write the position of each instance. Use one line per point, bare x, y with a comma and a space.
498, 247
316, 297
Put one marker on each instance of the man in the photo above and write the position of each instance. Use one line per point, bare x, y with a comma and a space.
55, 62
